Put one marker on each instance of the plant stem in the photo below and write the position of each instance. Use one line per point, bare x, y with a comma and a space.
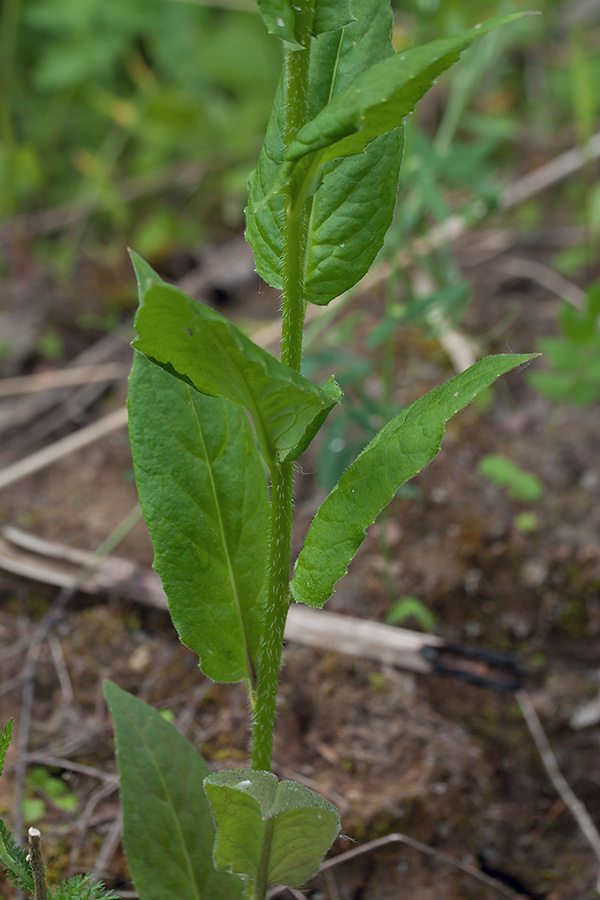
275, 615
257, 889
294, 305
38, 869
296, 221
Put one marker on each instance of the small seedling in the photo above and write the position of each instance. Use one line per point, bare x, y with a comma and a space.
574, 378
411, 608
503, 472
26, 870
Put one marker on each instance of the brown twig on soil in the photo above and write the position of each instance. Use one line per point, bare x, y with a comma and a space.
84, 818
38, 869
280, 889
398, 838
59, 449
547, 277
331, 883
578, 810
25, 718
58, 658
50, 761
42, 413
112, 573
43, 629
108, 848
50, 381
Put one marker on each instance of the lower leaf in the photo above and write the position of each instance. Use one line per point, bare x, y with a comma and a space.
270, 831
168, 831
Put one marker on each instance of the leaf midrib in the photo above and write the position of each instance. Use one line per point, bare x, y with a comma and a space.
178, 827
223, 536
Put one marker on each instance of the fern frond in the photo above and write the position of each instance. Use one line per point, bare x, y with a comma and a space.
13, 860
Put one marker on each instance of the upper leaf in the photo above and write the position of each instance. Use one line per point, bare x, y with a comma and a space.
377, 100
331, 15
208, 352
168, 831
354, 199
350, 217
280, 17
203, 491
262, 823
397, 453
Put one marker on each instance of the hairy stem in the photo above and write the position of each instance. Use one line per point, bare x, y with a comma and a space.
275, 616
294, 304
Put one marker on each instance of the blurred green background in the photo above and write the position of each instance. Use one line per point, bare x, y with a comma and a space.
137, 121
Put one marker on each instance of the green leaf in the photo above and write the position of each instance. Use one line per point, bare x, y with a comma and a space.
362, 188
279, 17
378, 99
348, 192
13, 860
397, 453
168, 831
272, 831
331, 15
203, 491
207, 351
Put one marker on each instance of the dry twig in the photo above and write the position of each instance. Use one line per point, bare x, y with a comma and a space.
50, 381
58, 450
421, 848
578, 810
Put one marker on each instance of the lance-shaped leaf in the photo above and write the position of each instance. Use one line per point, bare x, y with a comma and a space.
397, 453
203, 491
273, 832
377, 101
208, 352
350, 217
168, 832
349, 192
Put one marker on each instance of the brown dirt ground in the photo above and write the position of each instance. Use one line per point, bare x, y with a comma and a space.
446, 763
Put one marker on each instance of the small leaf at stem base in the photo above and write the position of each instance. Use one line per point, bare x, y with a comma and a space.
272, 832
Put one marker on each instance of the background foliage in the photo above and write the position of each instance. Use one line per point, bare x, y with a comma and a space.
99, 92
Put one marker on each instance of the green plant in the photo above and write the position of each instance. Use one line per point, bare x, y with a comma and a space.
48, 787
411, 608
215, 420
574, 378
503, 472
26, 871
